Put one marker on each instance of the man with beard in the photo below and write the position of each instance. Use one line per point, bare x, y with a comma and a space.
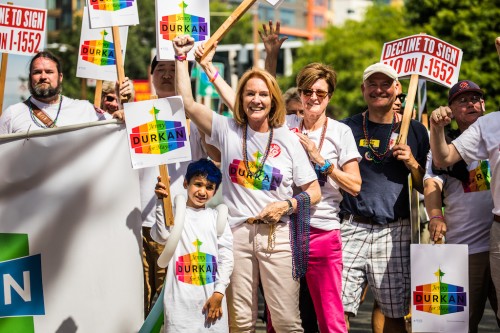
47, 107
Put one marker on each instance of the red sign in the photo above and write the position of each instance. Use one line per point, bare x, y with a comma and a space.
426, 56
22, 29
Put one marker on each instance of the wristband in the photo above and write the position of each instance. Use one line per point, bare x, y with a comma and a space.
325, 167
215, 76
441, 217
290, 207
180, 57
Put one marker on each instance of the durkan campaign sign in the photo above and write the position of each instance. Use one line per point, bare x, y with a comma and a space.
440, 288
96, 55
70, 232
427, 56
177, 17
157, 132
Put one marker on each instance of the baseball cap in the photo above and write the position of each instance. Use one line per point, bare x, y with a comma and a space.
380, 68
462, 87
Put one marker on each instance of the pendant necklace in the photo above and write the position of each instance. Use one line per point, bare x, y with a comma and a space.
258, 172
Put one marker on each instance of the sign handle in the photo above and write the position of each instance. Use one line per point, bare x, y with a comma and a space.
226, 26
119, 57
98, 94
3, 76
410, 101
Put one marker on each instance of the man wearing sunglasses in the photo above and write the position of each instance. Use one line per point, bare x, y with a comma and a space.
376, 230
112, 92
471, 191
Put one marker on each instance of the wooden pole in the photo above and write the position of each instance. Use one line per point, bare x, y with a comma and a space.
230, 21
410, 101
119, 58
255, 37
98, 94
3, 76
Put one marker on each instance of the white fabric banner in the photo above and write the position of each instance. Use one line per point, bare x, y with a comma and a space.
440, 288
70, 210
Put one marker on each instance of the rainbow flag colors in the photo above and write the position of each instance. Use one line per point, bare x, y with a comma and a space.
268, 179
439, 298
111, 5
158, 136
197, 268
183, 24
99, 52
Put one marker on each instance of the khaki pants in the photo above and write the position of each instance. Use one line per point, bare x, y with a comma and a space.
251, 261
153, 274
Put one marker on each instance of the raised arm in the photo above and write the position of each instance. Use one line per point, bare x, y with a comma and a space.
272, 45
443, 154
225, 91
198, 113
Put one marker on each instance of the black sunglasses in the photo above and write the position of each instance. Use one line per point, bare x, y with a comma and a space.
110, 98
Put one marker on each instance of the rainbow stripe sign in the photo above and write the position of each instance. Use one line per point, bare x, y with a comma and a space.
158, 136
99, 52
111, 5
197, 268
440, 298
183, 24
157, 132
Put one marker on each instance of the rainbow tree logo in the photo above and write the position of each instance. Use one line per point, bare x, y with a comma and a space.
197, 268
111, 5
440, 298
183, 24
99, 52
260, 177
158, 136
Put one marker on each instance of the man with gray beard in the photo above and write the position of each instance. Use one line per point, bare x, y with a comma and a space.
47, 107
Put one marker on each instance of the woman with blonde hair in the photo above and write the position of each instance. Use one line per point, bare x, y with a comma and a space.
260, 163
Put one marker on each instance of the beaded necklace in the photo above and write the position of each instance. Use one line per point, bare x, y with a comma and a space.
323, 133
35, 119
373, 154
258, 172
300, 231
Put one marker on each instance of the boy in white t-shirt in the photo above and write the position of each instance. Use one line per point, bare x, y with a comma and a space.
202, 261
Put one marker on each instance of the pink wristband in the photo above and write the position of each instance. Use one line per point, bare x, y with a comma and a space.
441, 217
180, 57
215, 76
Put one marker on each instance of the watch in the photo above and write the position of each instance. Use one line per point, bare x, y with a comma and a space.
290, 207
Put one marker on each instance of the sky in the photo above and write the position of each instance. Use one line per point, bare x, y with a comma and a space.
17, 65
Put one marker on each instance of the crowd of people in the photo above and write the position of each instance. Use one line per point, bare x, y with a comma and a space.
318, 208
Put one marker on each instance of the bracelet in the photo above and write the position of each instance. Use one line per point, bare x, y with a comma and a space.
215, 76
325, 167
180, 57
441, 217
290, 207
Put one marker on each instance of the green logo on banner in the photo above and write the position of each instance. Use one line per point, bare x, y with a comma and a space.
21, 293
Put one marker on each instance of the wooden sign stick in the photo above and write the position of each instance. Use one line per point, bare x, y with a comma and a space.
3, 76
119, 58
230, 21
98, 94
410, 101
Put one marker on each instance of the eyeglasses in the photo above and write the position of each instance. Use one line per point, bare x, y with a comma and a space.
464, 100
402, 99
110, 98
310, 92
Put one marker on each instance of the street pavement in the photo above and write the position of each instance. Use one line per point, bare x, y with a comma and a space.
362, 322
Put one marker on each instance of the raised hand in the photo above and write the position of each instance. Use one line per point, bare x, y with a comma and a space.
271, 38
183, 44
441, 116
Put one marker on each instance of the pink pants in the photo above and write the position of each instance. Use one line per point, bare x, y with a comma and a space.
324, 279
